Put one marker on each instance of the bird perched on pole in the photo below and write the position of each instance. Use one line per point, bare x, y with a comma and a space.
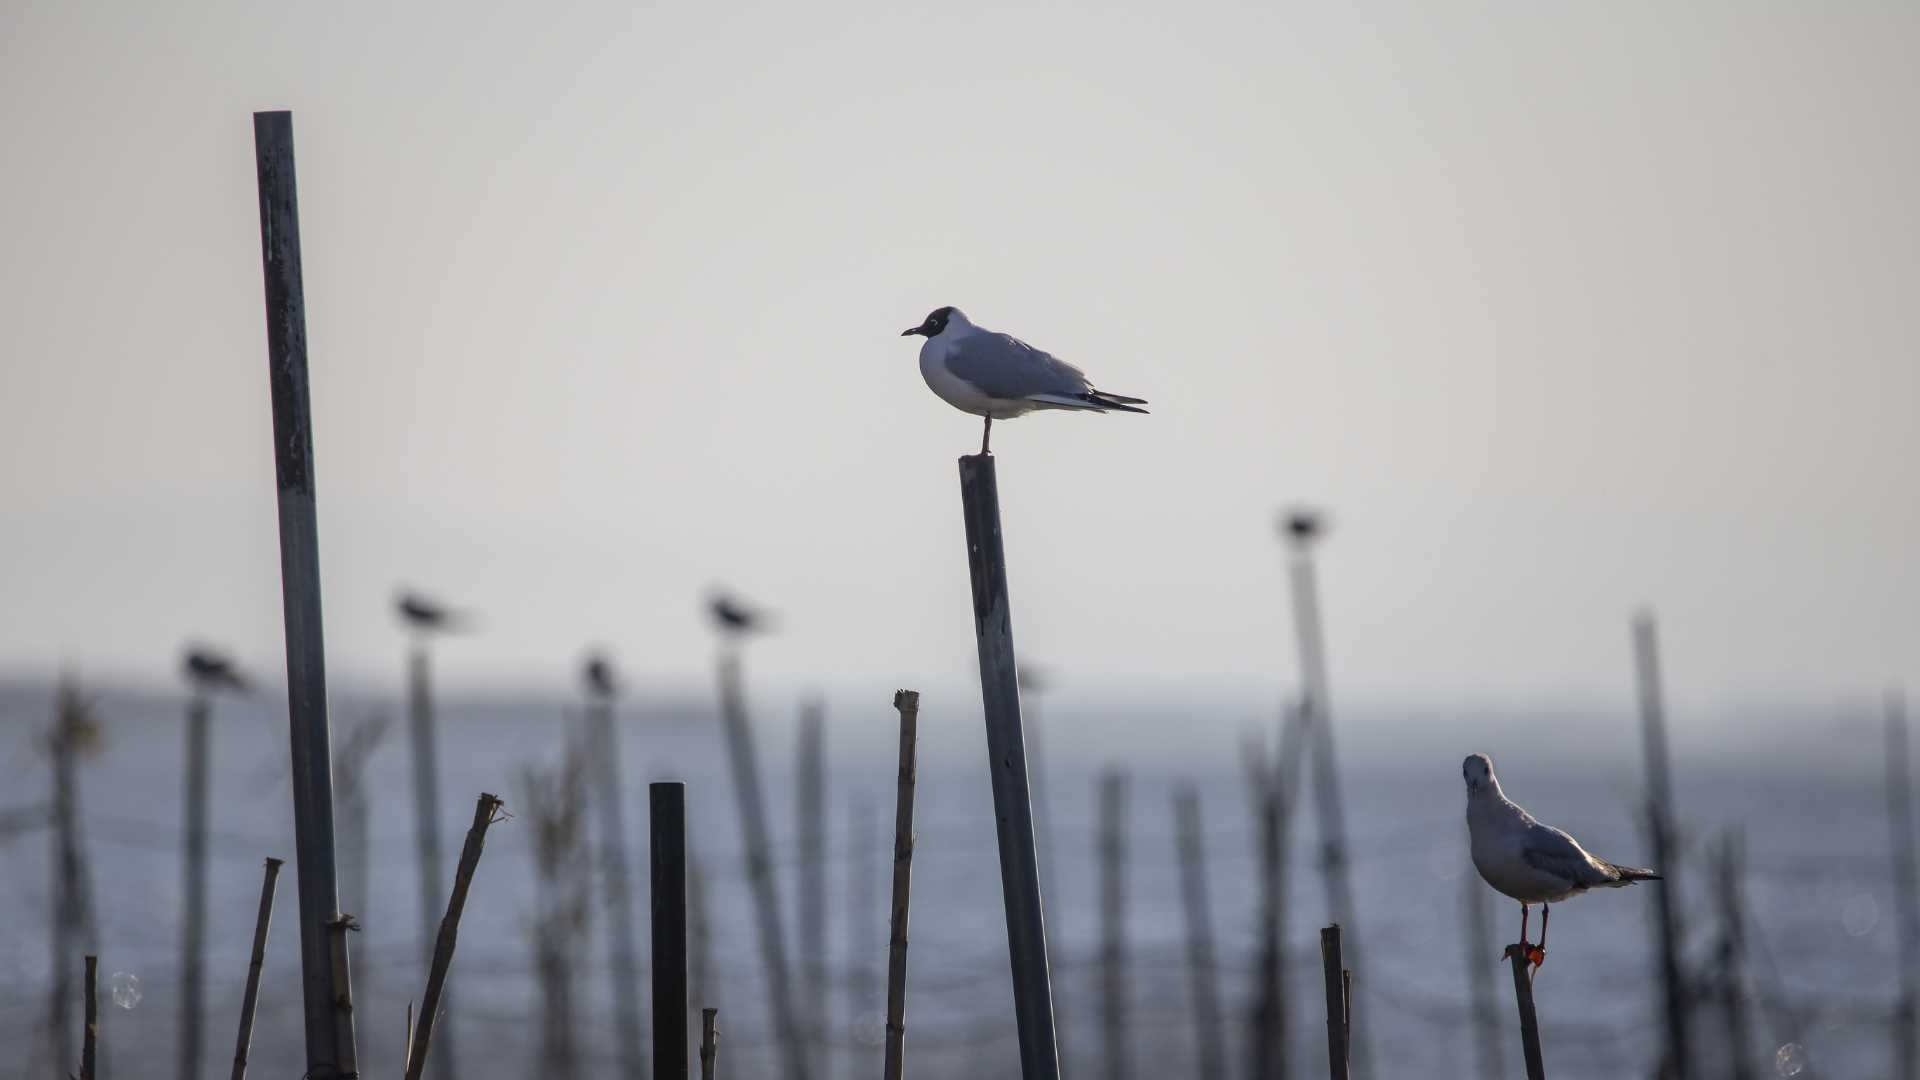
1528, 861
1302, 526
598, 678
732, 617
207, 669
999, 377
426, 615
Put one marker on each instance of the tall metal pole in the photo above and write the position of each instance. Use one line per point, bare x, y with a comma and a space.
812, 816
1007, 760
193, 939
1302, 530
329, 1024
667, 859
1653, 729
1906, 891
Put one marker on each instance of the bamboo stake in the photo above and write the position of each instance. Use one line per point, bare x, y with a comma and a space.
486, 812
1733, 988
89, 1046
624, 962
1666, 855
193, 939
1529, 1023
1480, 977
709, 1043
908, 704
1209, 1033
251, 999
1339, 1023
811, 814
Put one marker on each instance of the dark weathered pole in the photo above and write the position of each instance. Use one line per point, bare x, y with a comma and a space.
1033, 683
1113, 925
193, 937
1209, 1032
1666, 855
1906, 891
1270, 789
89, 1045
1733, 949
1006, 756
1529, 1023
1335, 975
1480, 980
72, 903
766, 896
709, 1043
1302, 530
908, 704
485, 813
811, 815
329, 1028
624, 960
667, 868
425, 744
251, 998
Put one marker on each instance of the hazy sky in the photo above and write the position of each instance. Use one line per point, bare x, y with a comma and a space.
1558, 309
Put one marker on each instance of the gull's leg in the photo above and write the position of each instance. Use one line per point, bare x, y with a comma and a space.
1523, 924
1523, 948
986, 434
1538, 954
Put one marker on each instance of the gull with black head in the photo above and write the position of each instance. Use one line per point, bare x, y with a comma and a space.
999, 377
1528, 861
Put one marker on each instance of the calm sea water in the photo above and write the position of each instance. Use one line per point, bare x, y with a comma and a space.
1806, 796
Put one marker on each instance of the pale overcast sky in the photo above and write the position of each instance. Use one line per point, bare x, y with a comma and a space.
1559, 310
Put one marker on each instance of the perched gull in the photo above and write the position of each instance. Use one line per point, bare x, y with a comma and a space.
207, 669
424, 613
1531, 862
999, 376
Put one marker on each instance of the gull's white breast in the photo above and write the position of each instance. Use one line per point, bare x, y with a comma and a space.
958, 392
1497, 832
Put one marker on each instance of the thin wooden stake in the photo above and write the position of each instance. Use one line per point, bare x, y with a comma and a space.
1113, 925
811, 814
667, 868
908, 704
1339, 1024
1529, 1023
1733, 949
89, 1045
1666, 854
1209, 1031
485, 813
709, 1043
251, 999
624, 961
329, 1027
71, 908
1480, 978
193, 939
1006, 756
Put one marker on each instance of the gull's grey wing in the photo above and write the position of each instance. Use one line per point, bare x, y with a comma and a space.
1003, 366
1551, 851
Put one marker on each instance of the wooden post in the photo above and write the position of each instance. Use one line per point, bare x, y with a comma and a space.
1906, 900
1268, 787
329, 1028
753, 823
667, 868
1302, 530
89, 1046
1733, 948
71, 907
424, 740
908, 704
1666, 854
1006, 756
1113, 924
561, 901
485, 813
624, 962
1529, 1024
709, 1043
811, 815
193, 938
1480, 979
1209, 1033
1339, 1021
251, 998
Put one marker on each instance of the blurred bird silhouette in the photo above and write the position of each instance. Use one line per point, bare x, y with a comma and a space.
1302, 525
731, 616
597, 674
207, 669
428, 615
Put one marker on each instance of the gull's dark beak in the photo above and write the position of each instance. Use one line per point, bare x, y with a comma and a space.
916, 330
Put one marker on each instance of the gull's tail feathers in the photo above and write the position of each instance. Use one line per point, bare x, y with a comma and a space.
1092, 400
1627, 875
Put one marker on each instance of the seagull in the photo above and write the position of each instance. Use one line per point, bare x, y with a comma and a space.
208, 670
597, 673
998, 376
1531, 862
732, 616
425, 613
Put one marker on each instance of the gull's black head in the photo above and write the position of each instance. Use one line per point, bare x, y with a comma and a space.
935, 323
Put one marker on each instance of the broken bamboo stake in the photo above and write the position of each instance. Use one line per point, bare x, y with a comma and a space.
89, 1045
1529, 1023
485, 813
709, 1043
908, 704
251, 999
1338, 985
